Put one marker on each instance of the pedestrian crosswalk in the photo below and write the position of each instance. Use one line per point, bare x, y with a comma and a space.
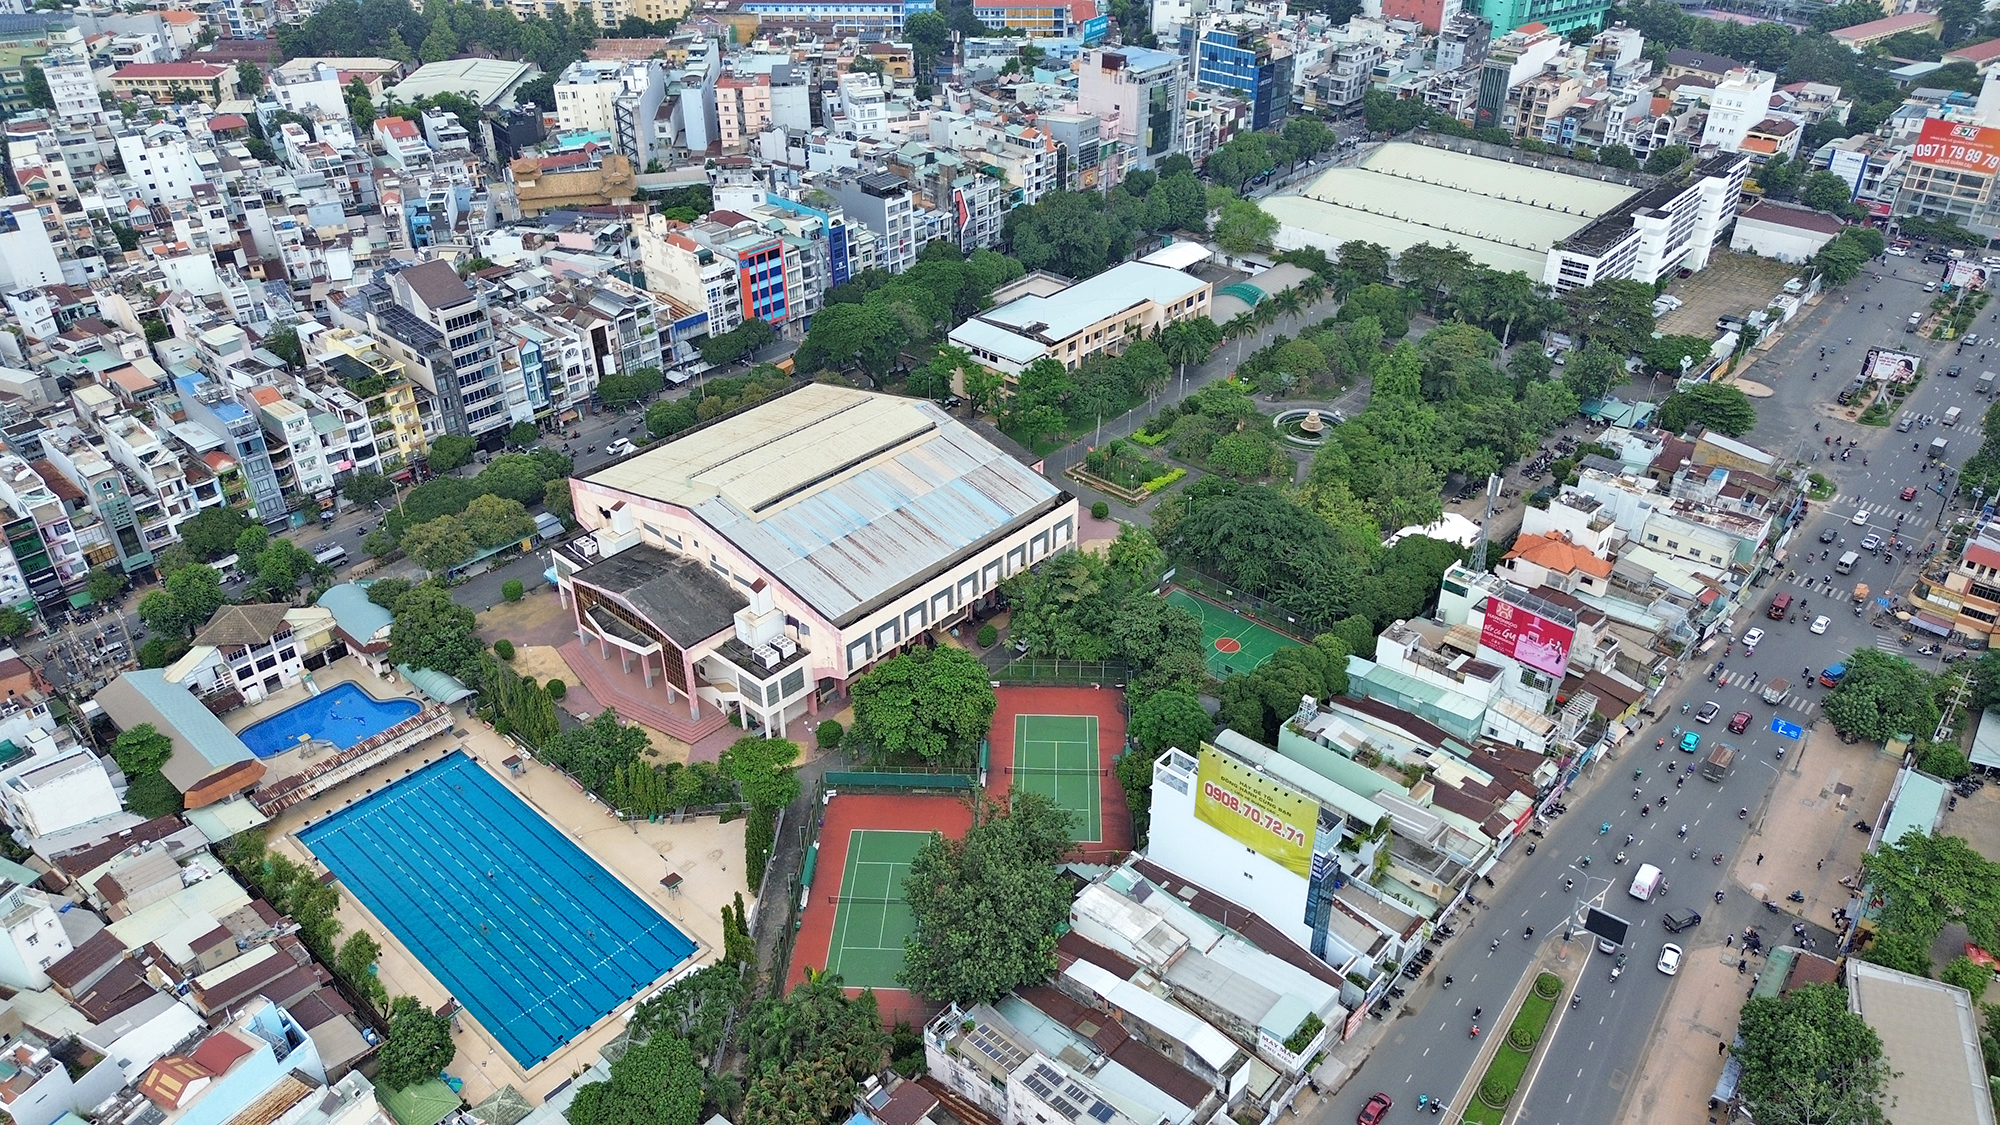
1881, 513
1799, 699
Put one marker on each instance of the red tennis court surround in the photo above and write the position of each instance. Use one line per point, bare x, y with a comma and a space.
1012, 701
844, 815
1228, 644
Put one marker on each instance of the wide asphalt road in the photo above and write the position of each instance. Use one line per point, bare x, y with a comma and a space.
1597, 1046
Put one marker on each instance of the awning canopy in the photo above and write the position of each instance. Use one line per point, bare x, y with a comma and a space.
80, 599
1930, 623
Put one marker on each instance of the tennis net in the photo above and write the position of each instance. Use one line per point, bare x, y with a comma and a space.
842, 900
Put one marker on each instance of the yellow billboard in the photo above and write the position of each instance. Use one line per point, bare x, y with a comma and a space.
1256, 810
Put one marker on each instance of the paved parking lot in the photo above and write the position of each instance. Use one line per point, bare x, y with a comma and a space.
1732, 284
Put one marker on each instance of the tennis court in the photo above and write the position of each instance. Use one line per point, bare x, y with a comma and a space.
873, 918
1056, 756
1232, 643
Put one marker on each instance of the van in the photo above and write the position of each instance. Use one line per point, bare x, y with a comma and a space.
1846, 563
1779, 606
1852, 391
1951, 416
330, 554
1916, 318
1645, 882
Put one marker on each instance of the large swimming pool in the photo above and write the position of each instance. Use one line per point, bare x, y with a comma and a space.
534, 937
342, 714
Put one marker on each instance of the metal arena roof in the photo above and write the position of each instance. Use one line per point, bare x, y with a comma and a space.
844, 496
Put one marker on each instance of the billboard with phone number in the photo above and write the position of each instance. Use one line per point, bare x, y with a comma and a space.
1255, 810
1527, 636
1967, 148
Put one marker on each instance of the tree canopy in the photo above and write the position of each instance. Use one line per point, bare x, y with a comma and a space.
1720, 407
988, 906
1807, 1060
432, 631
1882, 696
930, 705
656, 1082
418, 1046
806, 1053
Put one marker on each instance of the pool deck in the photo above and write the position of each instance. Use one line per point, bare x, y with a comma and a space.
708, 857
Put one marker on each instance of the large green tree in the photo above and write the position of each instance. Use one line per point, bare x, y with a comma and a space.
1720, 407
1808, 1060
988, 906
931, 705
432, 631
657, 1082
418, 1046
806, 1053
1065, 231
1882, 696
189, 598
212, 532
766, 773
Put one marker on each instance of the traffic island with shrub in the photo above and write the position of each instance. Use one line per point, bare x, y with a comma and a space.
1504, 1073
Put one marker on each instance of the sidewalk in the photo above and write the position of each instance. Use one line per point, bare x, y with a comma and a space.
1809, 844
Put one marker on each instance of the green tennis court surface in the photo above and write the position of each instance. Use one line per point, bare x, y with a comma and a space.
1232, 643
1056, 756
872, 917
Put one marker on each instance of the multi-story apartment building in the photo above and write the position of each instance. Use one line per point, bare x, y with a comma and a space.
881, 202
73, 87
39, 532
1738, 104
160, 163
296, 454
1654, 232
441, 331
1140, 95
682, 266
209, 404
368, 374
1251, 62
742, 109
164, 82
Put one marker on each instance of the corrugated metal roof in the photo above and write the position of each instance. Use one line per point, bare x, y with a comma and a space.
842, 495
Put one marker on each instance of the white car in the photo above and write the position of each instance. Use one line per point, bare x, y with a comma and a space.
1820, 623
1860, 518
1670, 959
619, 448
1899, 251
1752, 639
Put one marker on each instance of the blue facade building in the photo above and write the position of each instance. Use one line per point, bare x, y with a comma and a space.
1248, 64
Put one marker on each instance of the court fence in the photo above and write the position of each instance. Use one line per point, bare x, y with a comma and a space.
1236, 601
895, 779
1050, 672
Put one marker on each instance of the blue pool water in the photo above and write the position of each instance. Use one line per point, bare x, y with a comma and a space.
535, 938
342, 714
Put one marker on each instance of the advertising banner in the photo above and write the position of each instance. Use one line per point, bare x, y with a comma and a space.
1970, 275
1095, 29
1885, 366
1967, 148
1255, 810
1527, 636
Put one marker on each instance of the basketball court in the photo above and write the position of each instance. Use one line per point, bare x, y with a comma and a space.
871, 917
1057, 756
1232, 644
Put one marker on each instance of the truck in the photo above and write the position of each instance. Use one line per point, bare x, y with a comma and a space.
1716, 766
1776, 690
1986, 381
1937, 448
1860, 592
1951, 416
1645, 882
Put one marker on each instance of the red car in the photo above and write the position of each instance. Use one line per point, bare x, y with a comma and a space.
1739, 722
1376, 1109
1910, 493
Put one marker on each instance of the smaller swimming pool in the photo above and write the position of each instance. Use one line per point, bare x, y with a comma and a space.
342, 714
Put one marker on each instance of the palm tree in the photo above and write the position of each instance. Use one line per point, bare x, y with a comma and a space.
1312, 289
1286, 303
